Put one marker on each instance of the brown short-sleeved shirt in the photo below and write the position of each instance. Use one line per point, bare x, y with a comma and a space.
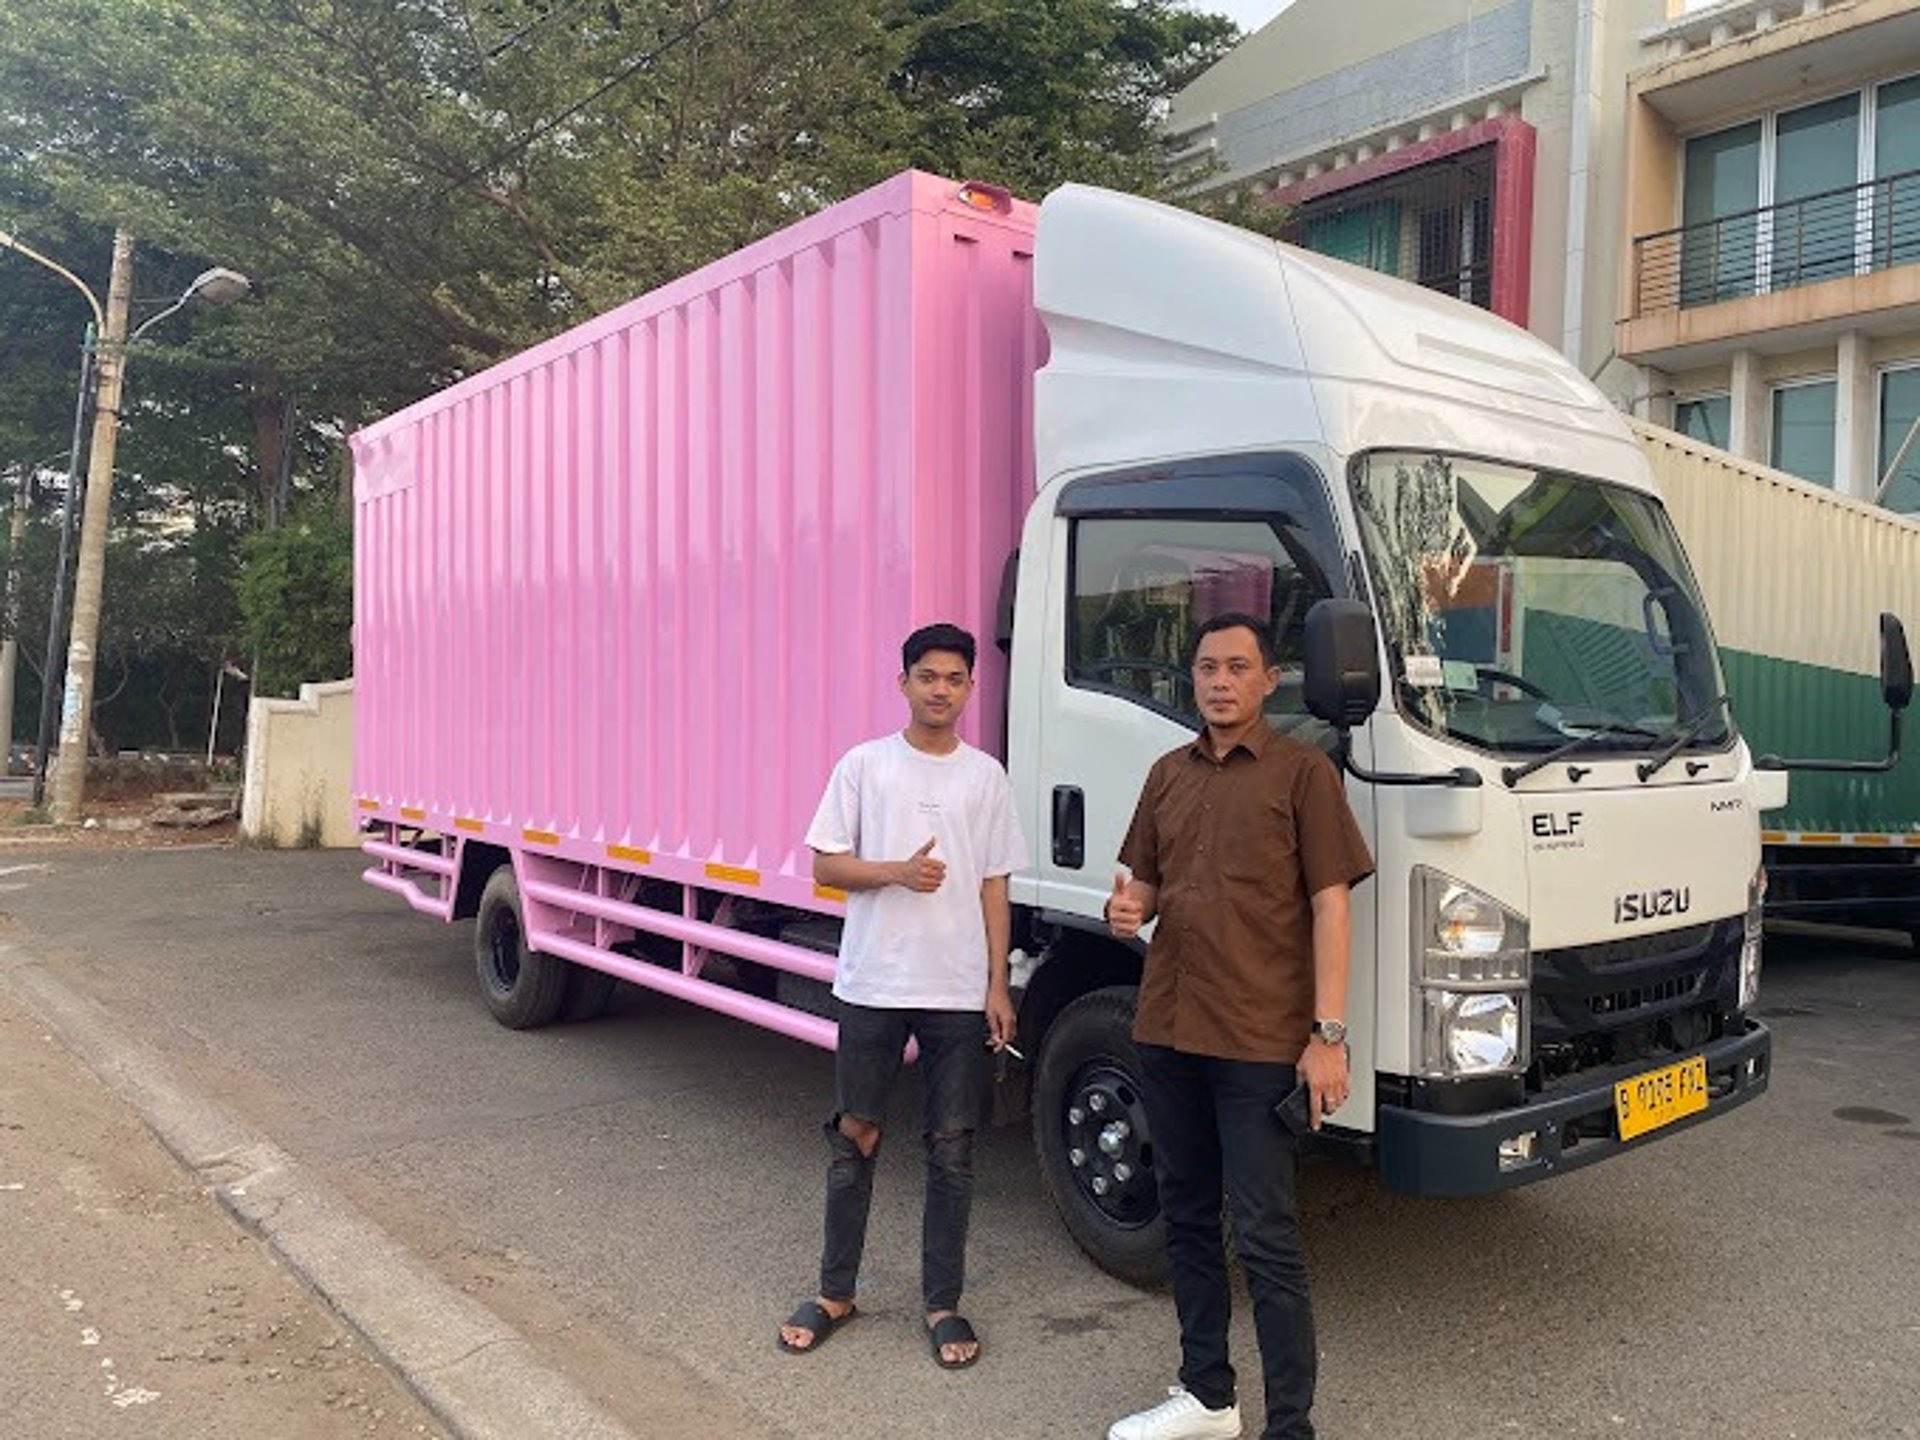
1237, 848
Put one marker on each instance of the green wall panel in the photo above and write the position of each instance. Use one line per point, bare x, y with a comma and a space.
1811, 712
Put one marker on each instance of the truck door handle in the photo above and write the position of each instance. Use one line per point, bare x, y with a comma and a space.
1069, 826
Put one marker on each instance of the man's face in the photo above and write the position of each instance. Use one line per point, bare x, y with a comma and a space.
1229, 679
937, 687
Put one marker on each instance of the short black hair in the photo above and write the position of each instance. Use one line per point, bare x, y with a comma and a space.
1238, 620
937, 637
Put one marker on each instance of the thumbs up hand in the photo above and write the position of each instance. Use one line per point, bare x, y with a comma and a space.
1125, 913
922, 873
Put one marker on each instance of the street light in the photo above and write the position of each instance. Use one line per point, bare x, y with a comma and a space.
56, 616
218, 286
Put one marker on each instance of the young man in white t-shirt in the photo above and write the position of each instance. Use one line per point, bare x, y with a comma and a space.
918, 828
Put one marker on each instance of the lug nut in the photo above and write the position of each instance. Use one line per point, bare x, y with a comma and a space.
1076, 1157
1123, 1172
1076, 1116
1096, 1102
1099, 1184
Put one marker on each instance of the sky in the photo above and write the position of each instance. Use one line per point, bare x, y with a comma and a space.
1250, 15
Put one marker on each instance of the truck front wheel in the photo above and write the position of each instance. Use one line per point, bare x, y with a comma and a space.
1090, 1134
522, 987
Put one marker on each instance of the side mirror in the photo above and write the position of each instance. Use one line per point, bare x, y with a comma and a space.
1896, 665
1342, 663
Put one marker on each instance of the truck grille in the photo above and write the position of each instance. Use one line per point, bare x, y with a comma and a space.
1624, 1000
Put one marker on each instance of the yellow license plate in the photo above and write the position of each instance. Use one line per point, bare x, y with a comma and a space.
1660, 1097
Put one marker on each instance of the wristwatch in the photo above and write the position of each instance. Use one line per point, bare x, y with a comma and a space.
1334, 1032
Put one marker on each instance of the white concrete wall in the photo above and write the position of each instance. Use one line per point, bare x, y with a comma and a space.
300, 768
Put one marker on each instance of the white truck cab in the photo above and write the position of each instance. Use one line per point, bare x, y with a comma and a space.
1481, 609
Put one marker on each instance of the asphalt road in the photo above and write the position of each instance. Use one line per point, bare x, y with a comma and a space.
640, 1196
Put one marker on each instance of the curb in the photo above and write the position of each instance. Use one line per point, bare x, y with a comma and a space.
477, 1375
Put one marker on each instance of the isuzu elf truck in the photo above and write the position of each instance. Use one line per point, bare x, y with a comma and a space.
621, 602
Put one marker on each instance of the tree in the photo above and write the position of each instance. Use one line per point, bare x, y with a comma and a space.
422, 187
296, 600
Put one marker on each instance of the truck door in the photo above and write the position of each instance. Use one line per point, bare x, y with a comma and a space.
1144, 556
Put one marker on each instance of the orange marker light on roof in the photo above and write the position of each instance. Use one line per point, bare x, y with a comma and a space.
982, 196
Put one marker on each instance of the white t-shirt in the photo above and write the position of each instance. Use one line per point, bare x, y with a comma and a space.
902, 950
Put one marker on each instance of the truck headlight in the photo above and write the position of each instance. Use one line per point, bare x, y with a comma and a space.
1476, 1034
1470, 985
1750, 943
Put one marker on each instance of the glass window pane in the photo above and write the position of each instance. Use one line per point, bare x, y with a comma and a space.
1366, 235
1803, 430
1817, 152
1708, 418
1141, 587
1896, 128
1896, 156
1717, 261
1899, 407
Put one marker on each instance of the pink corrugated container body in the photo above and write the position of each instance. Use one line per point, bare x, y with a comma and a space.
631, 593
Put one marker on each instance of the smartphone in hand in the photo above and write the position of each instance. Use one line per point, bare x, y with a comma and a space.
1294, 1111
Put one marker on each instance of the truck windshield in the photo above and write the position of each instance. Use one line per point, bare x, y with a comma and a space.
1522, 608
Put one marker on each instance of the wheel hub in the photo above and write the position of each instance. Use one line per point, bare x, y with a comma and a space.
1108, 1147
503, 947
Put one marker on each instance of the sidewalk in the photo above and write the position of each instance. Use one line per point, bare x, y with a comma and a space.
133, 1303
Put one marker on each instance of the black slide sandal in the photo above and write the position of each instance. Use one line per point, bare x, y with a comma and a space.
814, 1316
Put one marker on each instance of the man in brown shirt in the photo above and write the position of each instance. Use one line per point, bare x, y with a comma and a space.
1244, 848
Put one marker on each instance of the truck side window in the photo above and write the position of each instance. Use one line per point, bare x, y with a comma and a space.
1141, 586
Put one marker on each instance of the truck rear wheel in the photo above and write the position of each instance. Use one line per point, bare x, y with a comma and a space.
523, 988
589, 993
1090, 1136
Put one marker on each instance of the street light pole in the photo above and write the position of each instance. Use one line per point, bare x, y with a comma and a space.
76, 702
105, 363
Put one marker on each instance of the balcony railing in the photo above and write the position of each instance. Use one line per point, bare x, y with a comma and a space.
1854, 230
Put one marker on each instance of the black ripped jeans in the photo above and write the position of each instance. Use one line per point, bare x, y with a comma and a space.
954, 1067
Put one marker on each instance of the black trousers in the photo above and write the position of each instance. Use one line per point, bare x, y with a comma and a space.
953, 1062
1213, 1127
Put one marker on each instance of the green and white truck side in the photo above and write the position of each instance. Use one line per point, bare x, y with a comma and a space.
1795, 577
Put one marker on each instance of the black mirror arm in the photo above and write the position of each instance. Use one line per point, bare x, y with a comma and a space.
1463, 778
1843, 767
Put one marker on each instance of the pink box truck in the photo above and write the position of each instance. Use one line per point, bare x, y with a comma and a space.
622, 600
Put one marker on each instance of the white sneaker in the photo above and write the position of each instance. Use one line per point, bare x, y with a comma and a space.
1179, 1417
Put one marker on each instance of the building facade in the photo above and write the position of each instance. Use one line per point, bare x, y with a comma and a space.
1713, 210
1768, 280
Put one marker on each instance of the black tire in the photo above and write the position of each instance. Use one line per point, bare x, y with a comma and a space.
589, 993
1087, 1079
523, 988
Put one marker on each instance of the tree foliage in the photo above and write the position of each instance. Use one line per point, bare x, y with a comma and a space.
421, 187
296, 599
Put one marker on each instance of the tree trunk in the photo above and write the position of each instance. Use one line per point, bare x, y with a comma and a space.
272, 433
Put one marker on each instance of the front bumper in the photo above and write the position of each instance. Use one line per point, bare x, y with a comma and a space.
1423, 1153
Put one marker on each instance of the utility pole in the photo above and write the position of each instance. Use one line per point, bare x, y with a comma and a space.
76, 703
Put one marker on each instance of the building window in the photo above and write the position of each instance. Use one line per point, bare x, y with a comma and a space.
1707, 418
1803, 430
1899, 409
1718, 261
1794, 198
1816, 148
1432, 225
1896, 165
